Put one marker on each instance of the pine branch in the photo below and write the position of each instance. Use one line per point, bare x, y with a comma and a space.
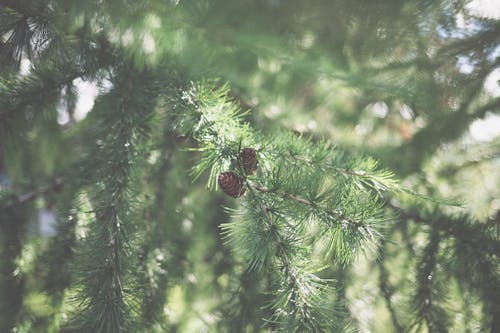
386, 289
463, 228
486, 38
27, 28
241, 309
335, 215
300, 296
57, 258
162, 243
41, 87
297, 184
108, 291
13, 223
82, 54
470, 260
430, 291
479, 272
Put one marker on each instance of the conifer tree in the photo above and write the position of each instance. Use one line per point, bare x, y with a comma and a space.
183, 203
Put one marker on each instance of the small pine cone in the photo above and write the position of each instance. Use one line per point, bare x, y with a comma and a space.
231, 184
248, 160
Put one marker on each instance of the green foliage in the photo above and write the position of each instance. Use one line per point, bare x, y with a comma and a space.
106, 301
116, 220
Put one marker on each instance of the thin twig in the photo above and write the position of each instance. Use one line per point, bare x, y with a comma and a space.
334, 214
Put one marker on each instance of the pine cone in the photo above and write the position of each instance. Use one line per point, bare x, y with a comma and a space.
248, 160
231, 184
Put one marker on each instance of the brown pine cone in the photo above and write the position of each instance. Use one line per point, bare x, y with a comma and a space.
248, 160
231, 184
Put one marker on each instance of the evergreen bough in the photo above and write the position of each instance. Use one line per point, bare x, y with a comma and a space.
305, 207
305, 196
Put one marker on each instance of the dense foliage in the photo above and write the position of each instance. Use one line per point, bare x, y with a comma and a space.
248, 166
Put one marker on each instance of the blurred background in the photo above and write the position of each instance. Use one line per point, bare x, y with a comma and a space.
415, 84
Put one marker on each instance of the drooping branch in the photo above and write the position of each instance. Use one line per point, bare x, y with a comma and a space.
386, 289
428, 296
461, 228
108, 286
